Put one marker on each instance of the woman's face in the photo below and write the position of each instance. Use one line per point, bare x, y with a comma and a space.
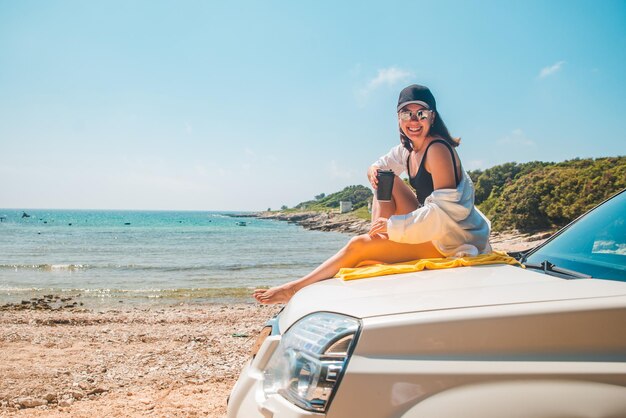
415, 124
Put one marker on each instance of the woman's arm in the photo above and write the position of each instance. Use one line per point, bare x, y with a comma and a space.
441, 167
394, 160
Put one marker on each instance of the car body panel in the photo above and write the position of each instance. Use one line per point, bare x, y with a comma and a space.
439, 289
401, 361
525, 398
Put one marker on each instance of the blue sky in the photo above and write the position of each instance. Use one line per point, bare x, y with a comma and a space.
204, 105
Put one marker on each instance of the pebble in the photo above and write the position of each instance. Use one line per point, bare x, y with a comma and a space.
50, 397
97, 391
65, 403
48, 302
76, 394
31, 402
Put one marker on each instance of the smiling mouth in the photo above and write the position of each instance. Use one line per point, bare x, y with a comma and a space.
414, 130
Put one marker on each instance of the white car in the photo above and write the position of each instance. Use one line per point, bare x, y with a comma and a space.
548, 340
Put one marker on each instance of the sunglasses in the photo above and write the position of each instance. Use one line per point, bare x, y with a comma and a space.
419, 114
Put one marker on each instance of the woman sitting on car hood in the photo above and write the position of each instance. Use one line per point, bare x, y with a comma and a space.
438, 220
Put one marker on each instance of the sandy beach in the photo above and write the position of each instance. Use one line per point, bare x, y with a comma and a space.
177, 360
171, 361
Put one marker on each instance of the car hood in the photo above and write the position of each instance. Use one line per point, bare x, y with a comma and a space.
440, 289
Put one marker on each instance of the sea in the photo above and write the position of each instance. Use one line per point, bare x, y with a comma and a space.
109, 256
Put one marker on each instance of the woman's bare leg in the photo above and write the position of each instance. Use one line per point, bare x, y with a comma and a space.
360, 248
402, 201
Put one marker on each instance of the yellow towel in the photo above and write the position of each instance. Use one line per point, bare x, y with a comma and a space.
496, 257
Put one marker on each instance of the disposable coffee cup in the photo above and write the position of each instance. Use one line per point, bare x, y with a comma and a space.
385, 185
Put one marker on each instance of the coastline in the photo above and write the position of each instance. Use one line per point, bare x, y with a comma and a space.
320, 221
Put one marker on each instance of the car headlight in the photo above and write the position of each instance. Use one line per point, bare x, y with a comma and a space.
310, 359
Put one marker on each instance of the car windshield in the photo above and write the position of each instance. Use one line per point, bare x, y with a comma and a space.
594, 245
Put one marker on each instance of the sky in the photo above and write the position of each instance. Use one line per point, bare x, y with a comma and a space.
249, 105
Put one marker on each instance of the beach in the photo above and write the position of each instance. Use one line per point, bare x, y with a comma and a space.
172, 361
134, 359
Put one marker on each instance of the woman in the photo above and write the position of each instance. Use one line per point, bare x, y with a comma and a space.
439, 220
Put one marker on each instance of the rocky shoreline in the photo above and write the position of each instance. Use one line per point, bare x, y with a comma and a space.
46, 303
318, 221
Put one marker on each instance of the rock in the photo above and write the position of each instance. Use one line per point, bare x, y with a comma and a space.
97, 390
66, 402
50, 397
84, 385
78, 395
31, 402
324, 221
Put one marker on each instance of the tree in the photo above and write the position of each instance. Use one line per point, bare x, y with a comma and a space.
547, 195
283, 207
320, 196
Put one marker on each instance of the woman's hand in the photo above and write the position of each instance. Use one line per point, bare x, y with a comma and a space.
372, 173
379, 226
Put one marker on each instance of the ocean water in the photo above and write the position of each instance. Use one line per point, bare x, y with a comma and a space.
107, 256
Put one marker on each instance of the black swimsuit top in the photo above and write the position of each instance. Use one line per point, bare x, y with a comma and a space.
423, 180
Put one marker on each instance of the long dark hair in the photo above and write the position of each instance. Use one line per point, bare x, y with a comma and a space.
438, 128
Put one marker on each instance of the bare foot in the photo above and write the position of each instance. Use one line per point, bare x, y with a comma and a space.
278, 294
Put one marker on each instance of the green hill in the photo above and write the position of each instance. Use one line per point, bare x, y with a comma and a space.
358, 195
528, 197
538, 196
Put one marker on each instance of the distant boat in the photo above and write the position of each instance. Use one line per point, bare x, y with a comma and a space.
241, 223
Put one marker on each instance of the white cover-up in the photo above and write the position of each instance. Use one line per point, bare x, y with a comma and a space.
448, 218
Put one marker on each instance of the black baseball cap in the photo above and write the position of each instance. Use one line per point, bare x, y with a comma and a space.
417, 94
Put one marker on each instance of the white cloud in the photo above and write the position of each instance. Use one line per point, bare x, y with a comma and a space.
474, 164
388, 76
385, 77
547, 71
516, 137
339, 172
356, 70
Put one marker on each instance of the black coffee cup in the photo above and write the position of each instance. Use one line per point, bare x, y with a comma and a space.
385, 185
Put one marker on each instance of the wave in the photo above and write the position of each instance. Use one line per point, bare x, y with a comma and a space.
44, 267
139, 267
139, 294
